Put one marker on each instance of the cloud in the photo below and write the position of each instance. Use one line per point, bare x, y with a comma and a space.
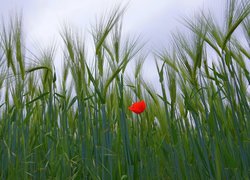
153, 20
43, 17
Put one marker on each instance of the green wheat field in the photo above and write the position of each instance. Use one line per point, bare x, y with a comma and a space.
76, 124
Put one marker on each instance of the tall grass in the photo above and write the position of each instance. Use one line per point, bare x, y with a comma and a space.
77, 125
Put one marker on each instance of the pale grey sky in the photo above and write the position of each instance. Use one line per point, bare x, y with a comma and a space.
154, 20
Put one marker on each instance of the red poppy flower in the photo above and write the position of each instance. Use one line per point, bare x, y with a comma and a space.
138, 107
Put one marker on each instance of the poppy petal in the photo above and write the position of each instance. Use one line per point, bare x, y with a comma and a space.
138, 107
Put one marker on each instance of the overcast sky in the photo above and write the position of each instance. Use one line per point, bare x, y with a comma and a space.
154, 20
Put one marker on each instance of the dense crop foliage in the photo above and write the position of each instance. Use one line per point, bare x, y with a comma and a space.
77, 125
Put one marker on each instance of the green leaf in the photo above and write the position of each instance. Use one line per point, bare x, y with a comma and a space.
37, 98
